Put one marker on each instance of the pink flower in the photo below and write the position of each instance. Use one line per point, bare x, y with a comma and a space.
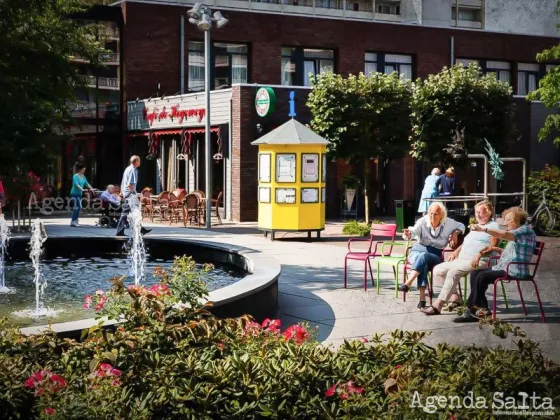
101, 303
116, 382
343, 396
272, 325
49, 411
398, 366
330, 392
115, 372
297, 333
105, 366
364, 340
99, 292
252, 328
354, 389
87, 302
58, 380
30, 383
39, 391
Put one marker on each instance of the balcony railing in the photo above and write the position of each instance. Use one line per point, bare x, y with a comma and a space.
90, 110
109, 58
102, 82
336, 9
109, 32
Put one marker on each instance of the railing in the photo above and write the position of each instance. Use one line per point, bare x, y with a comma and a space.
102, 82
109, 58
336, 9
89, 110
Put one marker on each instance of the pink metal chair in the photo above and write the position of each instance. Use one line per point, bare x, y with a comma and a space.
387, 232
539, 248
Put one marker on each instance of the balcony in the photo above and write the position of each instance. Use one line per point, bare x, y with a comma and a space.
335, 9
109, 59
102, 82
83, 109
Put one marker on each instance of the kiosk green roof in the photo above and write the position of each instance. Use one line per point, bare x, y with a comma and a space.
291, 132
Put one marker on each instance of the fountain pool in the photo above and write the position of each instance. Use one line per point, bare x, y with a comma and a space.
75, 267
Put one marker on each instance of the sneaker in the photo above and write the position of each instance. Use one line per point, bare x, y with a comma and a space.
144, 230
74, 224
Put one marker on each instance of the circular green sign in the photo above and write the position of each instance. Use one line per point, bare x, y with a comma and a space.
265, 101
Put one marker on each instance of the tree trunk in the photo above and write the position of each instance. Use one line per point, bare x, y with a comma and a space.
366, 183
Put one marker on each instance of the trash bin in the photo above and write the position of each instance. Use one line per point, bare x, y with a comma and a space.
404, 211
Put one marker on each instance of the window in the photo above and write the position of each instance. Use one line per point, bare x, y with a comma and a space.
230, 65
467, 14
329, 4
389, 9
371, 63
298, 64
388, 63
527, 77
501, 69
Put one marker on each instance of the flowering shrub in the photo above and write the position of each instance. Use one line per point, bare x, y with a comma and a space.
170, 359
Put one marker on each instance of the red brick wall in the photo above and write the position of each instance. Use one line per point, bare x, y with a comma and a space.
152, 41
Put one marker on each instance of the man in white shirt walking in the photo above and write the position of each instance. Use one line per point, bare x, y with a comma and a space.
128, 188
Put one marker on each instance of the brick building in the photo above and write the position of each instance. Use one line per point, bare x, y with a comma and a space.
277, 44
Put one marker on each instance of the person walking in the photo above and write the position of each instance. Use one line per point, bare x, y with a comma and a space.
447, 182
128, 189
431, 187
79, 185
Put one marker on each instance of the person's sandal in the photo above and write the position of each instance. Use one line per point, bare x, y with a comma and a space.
452, 306
431, 310
421, 305
403, 288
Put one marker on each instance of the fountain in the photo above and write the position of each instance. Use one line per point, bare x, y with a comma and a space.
38, 237
4, 239
137, 253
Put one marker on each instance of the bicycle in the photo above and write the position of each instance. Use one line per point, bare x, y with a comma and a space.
545, 220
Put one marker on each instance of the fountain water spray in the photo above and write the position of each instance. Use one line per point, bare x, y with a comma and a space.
137, 252
38, 237
4, 239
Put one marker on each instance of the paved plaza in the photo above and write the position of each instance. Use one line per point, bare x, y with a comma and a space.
311, 288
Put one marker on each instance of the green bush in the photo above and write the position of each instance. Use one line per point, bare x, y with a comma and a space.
358, 228
548, 178
173, 360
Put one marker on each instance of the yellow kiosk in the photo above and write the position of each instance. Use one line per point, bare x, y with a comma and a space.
292, 175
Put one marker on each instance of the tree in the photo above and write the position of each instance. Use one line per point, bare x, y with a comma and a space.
549, 93
362, 117
37, 81
455, 110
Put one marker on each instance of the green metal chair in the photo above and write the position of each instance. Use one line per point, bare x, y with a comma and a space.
393, 259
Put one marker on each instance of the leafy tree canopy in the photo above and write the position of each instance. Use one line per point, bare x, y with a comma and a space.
37, 80
455, 110
549, 93
362, 117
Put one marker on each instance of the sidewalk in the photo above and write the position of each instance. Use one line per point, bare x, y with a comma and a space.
311, 288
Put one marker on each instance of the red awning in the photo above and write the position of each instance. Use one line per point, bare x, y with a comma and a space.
171, 132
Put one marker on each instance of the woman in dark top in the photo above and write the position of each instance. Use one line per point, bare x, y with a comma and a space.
447, 182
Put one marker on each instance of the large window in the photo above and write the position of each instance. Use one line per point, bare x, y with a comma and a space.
502, 69
527, 77
230, 65
388, 63
300, 65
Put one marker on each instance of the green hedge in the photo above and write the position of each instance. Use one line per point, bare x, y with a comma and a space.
170, 359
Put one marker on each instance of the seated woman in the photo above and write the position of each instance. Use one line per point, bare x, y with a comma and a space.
433, 232
464, 259
522, 241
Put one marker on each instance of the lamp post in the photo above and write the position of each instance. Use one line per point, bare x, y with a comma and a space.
200, 15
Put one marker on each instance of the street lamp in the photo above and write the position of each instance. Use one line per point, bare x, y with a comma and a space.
201, 16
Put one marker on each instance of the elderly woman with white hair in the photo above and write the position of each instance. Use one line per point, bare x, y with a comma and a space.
433, 232
431, 190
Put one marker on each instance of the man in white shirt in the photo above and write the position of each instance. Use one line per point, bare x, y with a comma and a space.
128, 188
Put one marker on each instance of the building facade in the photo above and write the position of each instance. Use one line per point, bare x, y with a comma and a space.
278, 43
97, 111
